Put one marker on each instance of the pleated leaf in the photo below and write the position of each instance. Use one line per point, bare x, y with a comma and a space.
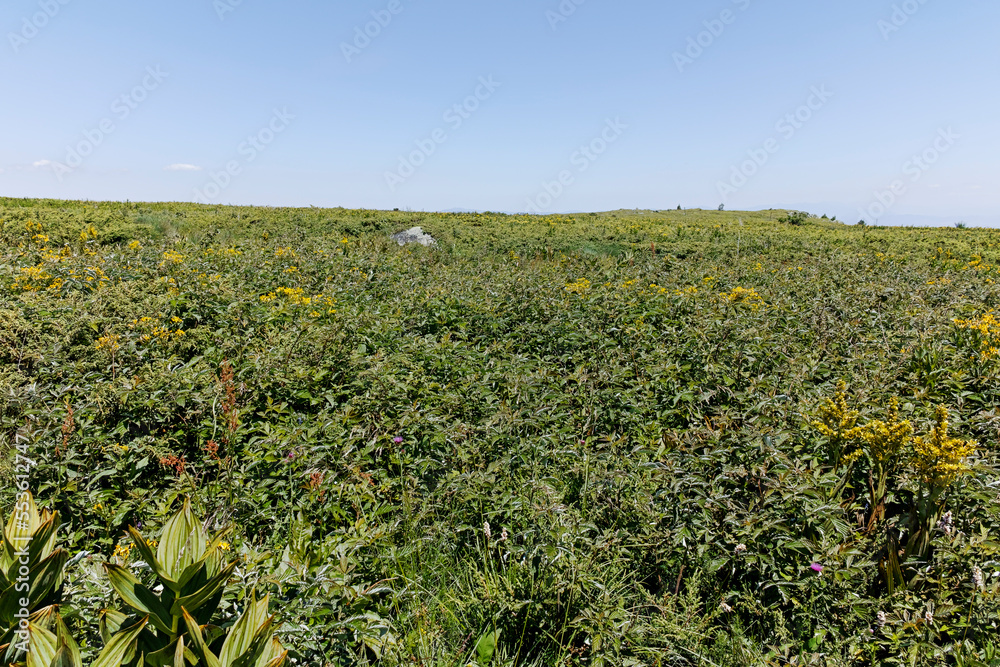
146, 553
207, 592
242, 634
42, 646
112, 621
115, 651
198, 643
137, 596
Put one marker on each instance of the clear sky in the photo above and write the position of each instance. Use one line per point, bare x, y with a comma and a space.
579, 105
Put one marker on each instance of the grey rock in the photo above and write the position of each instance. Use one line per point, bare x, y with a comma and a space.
413, 235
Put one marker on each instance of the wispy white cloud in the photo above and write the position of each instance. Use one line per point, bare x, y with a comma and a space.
41, 163
182, 167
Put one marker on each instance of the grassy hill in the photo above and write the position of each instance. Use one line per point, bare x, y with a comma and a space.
625, 438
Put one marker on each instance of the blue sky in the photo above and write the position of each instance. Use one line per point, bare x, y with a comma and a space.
515, 105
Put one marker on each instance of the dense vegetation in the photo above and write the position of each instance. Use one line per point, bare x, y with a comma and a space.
632, 438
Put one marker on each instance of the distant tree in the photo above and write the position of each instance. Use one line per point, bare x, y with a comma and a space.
796, 218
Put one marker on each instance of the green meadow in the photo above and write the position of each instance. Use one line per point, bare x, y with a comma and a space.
633, 438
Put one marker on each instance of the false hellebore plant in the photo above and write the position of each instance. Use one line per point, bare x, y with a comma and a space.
31, 572
171, 628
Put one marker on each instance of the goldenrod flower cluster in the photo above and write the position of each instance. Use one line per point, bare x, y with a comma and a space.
172, 257
171, 283
40, 278
943, 255
988, 328
938, 459
883, 441
33, 279
92, 274
745, 296
204, 279
296, 296
111, 342
836, 420
153, 329
293, 294
987, 325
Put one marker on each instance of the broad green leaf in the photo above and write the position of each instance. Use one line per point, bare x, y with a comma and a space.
43, 577
43, 539
194, 601
486, 647
115, 651
179, 653
66, 657
175, 536
47, 577
166, 656
42, 646
280, 656
137, 596
150, 558
192, 569
67, 643
111, 622
242, 634
17, 532
198, 643
258, 646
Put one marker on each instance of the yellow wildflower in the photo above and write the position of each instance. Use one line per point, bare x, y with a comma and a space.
885, 440
745, 296
172, 257
122, 553
938, 459
110, 342
836, 420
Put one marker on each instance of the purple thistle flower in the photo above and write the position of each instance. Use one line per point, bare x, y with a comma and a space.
398, 440
816, 567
